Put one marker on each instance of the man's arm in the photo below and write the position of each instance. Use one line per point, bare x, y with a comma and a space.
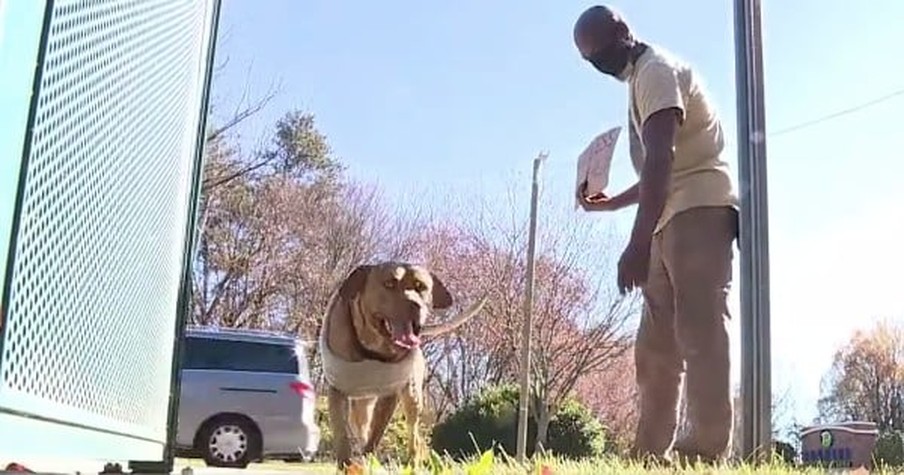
629, 197
635, 146
660, 109
659, 132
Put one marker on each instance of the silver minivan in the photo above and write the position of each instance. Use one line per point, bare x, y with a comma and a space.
246, 396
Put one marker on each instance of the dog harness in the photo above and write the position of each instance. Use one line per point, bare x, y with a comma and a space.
367, 378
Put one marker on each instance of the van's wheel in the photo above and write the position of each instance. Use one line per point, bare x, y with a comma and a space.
229, 441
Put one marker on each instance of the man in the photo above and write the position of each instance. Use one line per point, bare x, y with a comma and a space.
680, 249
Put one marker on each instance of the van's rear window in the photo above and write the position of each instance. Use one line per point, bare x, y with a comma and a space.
209, 353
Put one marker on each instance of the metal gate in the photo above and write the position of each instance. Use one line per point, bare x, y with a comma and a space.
102, 106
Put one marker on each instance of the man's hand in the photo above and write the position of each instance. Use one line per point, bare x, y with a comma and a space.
633, 266
626, 198
601, 205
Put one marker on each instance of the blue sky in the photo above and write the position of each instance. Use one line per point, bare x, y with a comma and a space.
459, 97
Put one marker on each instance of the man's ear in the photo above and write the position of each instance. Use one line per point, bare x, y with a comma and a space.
441, 296
355, 281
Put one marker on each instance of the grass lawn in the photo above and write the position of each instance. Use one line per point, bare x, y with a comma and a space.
494, 466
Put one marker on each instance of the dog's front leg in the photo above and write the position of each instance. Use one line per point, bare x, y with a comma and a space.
346, 444
411, 404
382, 414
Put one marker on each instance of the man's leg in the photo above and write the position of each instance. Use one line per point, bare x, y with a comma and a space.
658, 364
697, 250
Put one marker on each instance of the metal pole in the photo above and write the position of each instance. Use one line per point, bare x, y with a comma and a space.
756, 386
524, 399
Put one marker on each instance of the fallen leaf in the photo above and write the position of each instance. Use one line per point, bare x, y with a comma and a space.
354, 469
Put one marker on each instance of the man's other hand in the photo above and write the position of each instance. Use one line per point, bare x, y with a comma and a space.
633, 266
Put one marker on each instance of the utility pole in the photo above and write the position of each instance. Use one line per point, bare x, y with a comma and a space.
524, 401
756, 359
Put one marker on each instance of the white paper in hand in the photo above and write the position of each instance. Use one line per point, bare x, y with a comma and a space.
593, 165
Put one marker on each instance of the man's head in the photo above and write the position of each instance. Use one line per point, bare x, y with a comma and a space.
605, 41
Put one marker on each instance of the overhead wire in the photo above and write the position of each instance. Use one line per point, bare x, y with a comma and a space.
835, 115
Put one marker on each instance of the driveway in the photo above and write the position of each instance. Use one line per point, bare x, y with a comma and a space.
253, 470
193, 467
198, 468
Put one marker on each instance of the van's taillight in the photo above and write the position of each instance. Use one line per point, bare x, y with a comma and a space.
303, 389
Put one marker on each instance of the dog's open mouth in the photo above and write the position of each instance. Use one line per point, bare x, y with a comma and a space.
405, 334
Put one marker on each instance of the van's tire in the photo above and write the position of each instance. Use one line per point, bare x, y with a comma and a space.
230, 441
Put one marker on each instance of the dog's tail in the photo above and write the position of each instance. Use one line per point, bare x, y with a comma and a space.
439, 329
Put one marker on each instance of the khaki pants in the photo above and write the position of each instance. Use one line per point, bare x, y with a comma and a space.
683, 333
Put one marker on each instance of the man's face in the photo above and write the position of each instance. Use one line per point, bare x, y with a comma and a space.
585, 45
607, 52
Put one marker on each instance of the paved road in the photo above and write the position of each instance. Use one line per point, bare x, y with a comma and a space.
252, 471
257, 469
181, 468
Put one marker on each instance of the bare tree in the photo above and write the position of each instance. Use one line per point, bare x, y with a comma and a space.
581, 323
282, 227
866, 381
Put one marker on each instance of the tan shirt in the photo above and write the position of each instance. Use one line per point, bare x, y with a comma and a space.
699, 175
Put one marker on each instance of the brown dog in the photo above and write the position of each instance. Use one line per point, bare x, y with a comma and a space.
370, 350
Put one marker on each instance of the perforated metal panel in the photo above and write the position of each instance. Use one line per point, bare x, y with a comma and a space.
100, 230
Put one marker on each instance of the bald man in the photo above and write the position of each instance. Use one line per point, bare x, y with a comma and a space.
680, 249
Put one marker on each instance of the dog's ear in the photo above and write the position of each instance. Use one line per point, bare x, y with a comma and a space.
441, 296
355, 281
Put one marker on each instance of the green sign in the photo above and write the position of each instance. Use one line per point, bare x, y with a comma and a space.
825, 438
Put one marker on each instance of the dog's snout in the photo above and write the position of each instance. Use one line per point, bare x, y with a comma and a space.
414, 307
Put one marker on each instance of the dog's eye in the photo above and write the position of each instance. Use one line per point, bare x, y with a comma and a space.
390, 284
419, 286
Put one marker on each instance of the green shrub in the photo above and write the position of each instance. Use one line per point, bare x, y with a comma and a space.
322, 416
489, 421
575, 432
889, 451
394, 445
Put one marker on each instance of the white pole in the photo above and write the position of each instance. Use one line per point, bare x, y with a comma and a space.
523, 406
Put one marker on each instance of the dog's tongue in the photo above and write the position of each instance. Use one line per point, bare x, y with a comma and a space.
403, 335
